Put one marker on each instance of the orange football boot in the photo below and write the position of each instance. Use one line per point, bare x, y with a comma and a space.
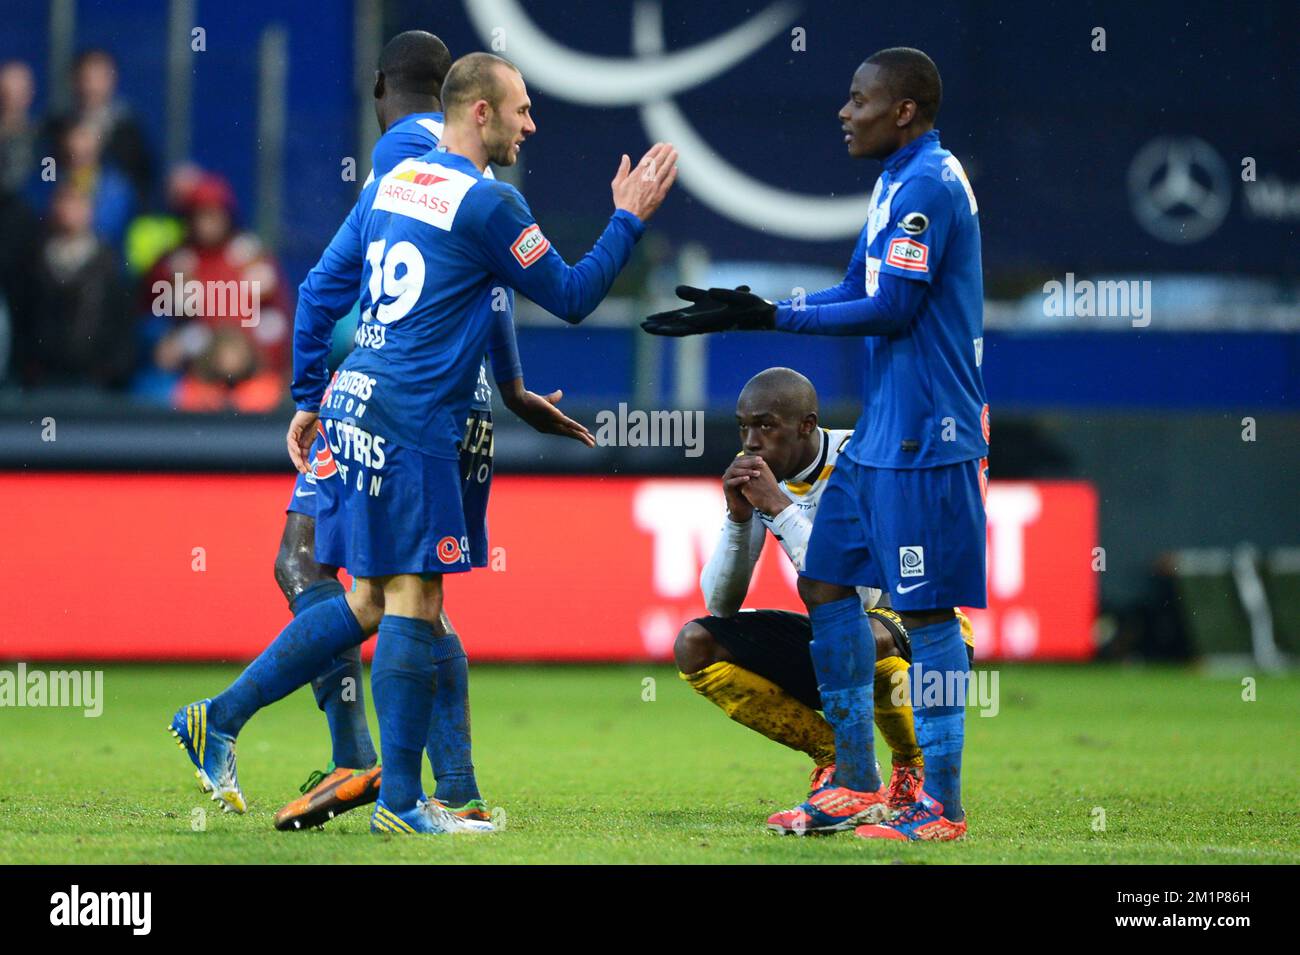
329, 794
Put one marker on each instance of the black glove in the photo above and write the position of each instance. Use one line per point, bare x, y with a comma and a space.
713, 310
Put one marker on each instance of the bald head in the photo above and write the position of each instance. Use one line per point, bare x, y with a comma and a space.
782, 391
777, 414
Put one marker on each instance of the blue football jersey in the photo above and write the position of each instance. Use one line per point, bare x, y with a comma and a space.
410, 137
442, 246
336, 279
924, 403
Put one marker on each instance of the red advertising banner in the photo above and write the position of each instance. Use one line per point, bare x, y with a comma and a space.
179, 567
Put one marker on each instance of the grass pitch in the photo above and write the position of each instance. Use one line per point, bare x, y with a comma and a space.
589, 772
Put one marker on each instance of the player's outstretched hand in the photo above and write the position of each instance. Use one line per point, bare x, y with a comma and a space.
302, 432
713, 310
641, 190
540, 413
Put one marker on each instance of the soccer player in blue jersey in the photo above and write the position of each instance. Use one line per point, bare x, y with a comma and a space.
904, 511
408, 84
440, 241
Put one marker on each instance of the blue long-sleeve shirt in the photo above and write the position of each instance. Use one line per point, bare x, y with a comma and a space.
442, 245
914, 290
837, 311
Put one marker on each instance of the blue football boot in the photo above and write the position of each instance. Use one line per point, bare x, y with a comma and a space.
212, 753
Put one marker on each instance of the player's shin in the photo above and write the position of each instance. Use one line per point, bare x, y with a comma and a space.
448, 740
340, 696
402, 678
893, 711
302, 650
844, 656
756, 702
940, 668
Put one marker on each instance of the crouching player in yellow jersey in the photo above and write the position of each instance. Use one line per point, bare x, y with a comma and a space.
755, 664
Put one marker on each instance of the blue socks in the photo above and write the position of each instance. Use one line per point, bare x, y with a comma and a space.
448, 742
339, 692
844, 659
340, 695
940, 671
315, 593
302, 650
402, 678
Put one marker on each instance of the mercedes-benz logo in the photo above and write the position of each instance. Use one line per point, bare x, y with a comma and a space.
1180, 188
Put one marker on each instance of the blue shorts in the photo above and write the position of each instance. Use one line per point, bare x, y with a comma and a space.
918, 533
476, 468
382, 509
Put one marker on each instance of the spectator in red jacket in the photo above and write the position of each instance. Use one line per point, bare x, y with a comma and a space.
220, 311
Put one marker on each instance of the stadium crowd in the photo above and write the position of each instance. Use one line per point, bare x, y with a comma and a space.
115, 278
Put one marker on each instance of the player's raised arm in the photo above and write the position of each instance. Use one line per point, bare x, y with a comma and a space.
488, 117
642, 191
519, 252
721, 310
895, 304
913, 249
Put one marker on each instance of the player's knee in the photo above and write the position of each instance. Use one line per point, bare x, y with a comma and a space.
295, 561
694, 648
814, 593
291, 572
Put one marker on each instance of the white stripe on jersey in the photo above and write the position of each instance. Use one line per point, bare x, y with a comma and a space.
433, 126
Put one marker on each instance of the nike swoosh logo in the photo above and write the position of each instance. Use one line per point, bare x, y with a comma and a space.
900, 589
303, 493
